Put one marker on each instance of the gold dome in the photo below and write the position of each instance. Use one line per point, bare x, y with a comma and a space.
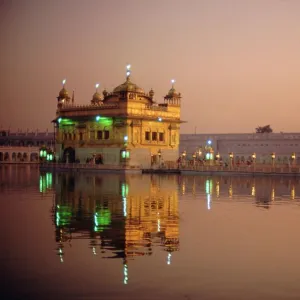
63, 93
172, 93
97, 97
128, 86
151, 93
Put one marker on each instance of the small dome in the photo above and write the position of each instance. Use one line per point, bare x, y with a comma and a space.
128, 86
151, 93
105, 93
172, 93
63, 93
96, 97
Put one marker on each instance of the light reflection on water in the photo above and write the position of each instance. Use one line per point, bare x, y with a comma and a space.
117, 236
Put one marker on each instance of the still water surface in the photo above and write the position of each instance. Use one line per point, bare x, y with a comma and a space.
113, 236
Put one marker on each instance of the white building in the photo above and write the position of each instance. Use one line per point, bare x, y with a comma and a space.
244, 145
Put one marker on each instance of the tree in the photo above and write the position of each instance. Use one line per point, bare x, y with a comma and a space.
264, 129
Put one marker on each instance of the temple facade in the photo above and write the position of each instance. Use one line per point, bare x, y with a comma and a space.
123, 127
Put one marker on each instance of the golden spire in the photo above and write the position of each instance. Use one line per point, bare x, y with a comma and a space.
173, 81
128, 72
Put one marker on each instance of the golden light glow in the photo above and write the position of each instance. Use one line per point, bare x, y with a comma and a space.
293, 193
218, 189
230, 191
253, 191
273, 194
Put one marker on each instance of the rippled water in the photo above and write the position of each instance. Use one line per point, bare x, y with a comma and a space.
117, 236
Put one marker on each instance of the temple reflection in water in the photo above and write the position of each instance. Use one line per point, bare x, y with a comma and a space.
123, 216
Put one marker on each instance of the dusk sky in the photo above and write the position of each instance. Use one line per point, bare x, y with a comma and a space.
236, 62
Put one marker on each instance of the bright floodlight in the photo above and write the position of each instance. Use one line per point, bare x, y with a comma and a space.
64, 81
97, 85
128, 67
173, 81
98, 118
209, 142
127, 73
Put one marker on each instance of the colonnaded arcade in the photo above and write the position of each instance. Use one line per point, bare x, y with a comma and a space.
19, 154
122, 127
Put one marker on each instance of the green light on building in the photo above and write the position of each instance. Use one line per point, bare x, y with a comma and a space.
125, 154
66, 122
105, 121
43, 153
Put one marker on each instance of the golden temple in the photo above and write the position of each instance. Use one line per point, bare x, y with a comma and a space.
125, 127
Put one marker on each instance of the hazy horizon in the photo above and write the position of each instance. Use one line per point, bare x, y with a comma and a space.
236, 63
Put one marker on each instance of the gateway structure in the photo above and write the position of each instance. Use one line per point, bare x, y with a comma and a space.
122, 127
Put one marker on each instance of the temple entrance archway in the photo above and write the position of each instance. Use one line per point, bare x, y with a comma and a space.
69, 154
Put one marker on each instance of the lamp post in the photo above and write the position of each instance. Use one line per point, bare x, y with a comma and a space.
293, 157
194, 159
159, 155
199, 152
254, 157
231, 158
183, 156
218, 158
273, 158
